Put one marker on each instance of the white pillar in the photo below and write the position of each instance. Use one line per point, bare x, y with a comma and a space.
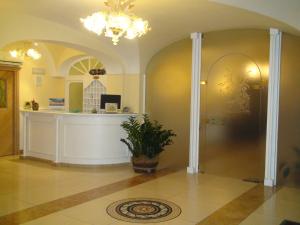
144, 94
195, 104
273, 108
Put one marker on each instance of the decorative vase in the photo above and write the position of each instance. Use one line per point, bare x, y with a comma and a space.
143, 164
35, 106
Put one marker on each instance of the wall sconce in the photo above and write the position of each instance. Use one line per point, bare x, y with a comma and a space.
253, 71
203, 82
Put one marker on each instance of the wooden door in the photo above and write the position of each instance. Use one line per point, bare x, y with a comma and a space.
8, 111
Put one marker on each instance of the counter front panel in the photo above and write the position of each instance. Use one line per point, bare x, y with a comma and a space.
75, 139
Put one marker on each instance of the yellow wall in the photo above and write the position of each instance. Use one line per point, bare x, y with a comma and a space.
289, 111
125, 85
51, 87
76, 97
168, 97
249, 42
131, 97
169, 79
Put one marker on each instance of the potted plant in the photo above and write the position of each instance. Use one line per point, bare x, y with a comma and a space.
145, 140
289, 171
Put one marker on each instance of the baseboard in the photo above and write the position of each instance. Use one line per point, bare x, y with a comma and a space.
269, 183
191, 170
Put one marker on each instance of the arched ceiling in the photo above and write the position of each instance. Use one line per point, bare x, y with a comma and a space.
170, 20
286, 11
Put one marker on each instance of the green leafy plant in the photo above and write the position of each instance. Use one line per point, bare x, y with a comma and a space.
146, 138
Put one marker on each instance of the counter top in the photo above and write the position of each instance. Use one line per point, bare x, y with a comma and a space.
60, 112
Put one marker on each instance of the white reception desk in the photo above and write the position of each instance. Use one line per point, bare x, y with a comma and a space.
75, 138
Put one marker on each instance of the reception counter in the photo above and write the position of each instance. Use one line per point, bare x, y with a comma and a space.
75, 138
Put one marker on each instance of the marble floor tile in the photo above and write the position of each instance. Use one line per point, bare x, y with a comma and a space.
93, 212
9, 204
37, 193
280, 209
284, 204
194, 210
257, 219
56, 219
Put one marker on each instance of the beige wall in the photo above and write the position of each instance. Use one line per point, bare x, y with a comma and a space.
168, 97
289, 111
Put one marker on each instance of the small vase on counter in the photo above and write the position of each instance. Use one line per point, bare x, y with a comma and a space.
35, 105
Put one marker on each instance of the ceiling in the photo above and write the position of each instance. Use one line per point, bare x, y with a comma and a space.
172, 20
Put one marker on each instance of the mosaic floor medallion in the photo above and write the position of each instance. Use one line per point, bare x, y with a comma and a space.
143, 210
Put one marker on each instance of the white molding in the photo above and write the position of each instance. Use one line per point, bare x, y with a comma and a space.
195, 104
273, 108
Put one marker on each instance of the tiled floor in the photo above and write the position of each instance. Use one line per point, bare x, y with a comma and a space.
285, 204
25, 183
34, 185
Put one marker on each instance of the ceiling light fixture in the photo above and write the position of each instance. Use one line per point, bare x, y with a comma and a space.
116, 22
21, 53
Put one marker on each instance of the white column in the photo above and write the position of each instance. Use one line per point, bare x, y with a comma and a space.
273, 108
25, 126
144, 94
58, 138
195, 104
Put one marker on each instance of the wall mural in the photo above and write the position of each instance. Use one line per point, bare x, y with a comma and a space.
3, 97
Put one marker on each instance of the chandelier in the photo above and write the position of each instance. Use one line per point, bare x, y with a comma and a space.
116, 22
29, 52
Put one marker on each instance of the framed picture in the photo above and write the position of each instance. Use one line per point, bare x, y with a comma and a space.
3, 90
111, 107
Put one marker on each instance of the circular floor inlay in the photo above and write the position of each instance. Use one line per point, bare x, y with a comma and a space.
143, 210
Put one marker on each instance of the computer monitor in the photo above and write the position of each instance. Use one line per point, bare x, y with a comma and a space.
110, 99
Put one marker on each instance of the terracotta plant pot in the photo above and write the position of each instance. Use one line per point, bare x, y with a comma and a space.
143, 164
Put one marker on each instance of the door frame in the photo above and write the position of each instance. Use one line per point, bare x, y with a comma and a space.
16, 112
272, 111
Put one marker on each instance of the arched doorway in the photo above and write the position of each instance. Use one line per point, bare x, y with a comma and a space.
233, 119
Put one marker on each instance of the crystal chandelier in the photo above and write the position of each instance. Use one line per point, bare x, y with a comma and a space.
21, 53
116, 22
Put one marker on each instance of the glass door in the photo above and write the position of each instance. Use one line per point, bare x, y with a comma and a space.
233, 118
